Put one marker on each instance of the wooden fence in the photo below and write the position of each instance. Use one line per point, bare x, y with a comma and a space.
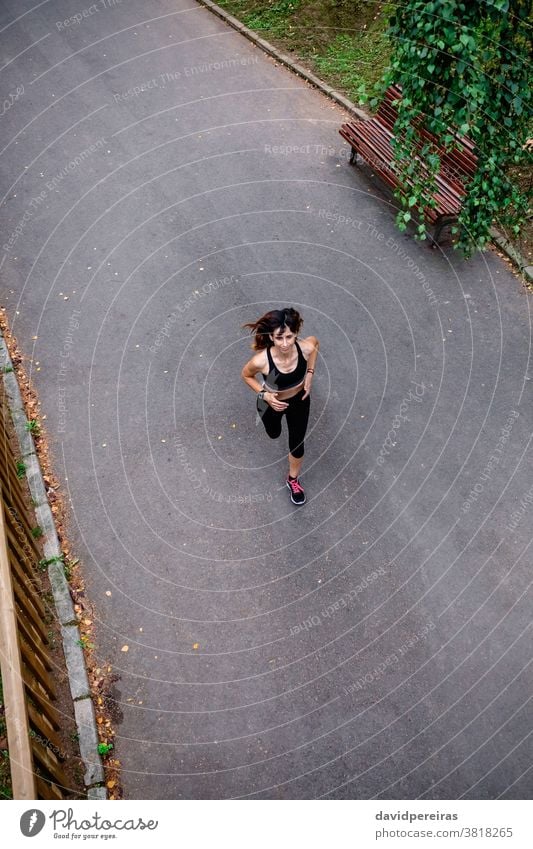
35, 749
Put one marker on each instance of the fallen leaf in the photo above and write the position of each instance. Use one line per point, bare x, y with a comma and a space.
196, 645
125, 648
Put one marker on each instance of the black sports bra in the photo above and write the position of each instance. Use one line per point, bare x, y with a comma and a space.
277, 380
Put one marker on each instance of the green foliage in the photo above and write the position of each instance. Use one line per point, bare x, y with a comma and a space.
33, 426
46, 562
354, 60
37, 532
463, 67
342, 41
104, 748
21, 469
273, 18
6, 791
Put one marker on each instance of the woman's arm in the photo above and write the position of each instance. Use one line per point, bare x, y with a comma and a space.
249, 372
314, 345
311, 344
248, 375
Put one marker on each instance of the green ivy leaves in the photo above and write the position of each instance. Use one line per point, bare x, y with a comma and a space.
463, 66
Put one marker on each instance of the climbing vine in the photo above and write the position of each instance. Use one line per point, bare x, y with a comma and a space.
464, 71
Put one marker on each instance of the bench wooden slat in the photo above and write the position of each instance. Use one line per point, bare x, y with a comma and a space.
372, 139
374, 144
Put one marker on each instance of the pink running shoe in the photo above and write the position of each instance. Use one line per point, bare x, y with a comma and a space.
296, 490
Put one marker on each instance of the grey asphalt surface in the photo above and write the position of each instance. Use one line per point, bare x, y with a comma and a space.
375, 643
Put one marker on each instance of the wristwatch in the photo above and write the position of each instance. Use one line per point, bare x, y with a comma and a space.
261, 395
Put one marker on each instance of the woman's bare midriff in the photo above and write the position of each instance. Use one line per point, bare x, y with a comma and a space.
284, 394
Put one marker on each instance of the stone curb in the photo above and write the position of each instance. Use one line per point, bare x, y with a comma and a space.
515, 256
97, 793
74, 657
86, 721
500, 241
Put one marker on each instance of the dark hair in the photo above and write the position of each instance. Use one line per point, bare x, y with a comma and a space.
269, 322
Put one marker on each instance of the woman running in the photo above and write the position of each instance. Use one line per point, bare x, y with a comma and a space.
287, 368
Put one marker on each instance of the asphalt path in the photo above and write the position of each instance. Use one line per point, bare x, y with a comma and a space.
163, 182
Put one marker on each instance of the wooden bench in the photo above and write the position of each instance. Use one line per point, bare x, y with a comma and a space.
372, 140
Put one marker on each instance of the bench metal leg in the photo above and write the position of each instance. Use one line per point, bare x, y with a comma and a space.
353, 157
440, 224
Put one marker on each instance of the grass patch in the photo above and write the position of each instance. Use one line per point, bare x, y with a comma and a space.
349, 62
342, 41
274, 19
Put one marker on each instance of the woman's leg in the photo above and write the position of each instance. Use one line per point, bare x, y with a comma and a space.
270, 418
297, 414
295, 464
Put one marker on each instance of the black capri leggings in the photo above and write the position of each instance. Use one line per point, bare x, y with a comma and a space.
297, 417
